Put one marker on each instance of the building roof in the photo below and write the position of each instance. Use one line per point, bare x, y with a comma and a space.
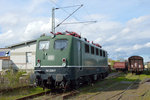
4, 49
5, 58
22, 43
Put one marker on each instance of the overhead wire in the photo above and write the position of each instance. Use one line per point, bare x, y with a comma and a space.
68, 16
86, 11
62, 8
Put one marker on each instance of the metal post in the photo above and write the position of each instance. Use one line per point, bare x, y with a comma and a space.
53, 20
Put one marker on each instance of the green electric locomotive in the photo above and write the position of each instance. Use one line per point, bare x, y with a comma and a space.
67, 60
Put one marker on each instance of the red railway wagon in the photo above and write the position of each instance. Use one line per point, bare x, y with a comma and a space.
135, 64
122, 66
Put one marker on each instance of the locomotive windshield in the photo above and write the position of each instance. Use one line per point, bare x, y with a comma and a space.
61, 44
43, 45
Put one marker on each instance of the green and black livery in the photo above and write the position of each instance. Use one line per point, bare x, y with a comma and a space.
65, 60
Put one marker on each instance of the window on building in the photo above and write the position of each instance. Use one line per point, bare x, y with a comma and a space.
28, 57
86, 48
104, 54
92, 50
96, 51
100, 52
61, 44
43, 45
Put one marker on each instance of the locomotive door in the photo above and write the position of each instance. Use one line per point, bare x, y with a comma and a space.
79, 54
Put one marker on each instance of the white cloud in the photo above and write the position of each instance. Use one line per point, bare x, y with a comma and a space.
35, 29
136, 47
125, 30
147, 44
97, 17
98, 40
139, 20
111, 38
119, 49
6, 38
132, 35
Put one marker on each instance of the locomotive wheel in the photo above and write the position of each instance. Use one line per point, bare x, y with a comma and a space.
77, 84
38, 81
103, 76
89, 80
100, 77
67, 86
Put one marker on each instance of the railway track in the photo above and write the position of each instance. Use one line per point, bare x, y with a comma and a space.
105, 89
34, 95
51, 95
120, 94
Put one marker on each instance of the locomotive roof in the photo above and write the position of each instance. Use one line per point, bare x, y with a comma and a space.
135, 57
81, 39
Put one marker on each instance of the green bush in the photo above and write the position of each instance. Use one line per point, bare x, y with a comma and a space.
11, 79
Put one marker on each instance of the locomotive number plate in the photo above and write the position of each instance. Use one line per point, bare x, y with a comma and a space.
51, 57
50, 70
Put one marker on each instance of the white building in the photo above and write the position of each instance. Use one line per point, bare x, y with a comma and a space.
22, 55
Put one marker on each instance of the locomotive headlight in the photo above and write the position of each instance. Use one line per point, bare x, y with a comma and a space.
38, 63
64, 64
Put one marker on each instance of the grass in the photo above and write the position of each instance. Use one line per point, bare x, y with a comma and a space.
20, 93
102, 85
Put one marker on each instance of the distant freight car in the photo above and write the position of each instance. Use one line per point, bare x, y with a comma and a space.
135, 64
122, 66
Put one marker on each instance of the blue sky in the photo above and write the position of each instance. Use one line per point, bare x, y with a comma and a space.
122, 26
0, 30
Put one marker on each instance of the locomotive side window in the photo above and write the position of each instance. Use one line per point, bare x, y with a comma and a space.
43, 45
104, 54
60, 44
100, 52
92, 49
86, 48
96, 51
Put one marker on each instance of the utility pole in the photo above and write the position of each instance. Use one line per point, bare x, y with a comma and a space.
53, 20
53, 17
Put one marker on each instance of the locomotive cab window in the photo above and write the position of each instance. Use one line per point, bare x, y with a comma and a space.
86, 48
100, 52
96, 51
60, 44
43, 45
104, 54
92, 50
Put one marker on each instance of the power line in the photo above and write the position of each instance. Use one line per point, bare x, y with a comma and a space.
80, 22
69, 6
62, 8
85, 10
69, 16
